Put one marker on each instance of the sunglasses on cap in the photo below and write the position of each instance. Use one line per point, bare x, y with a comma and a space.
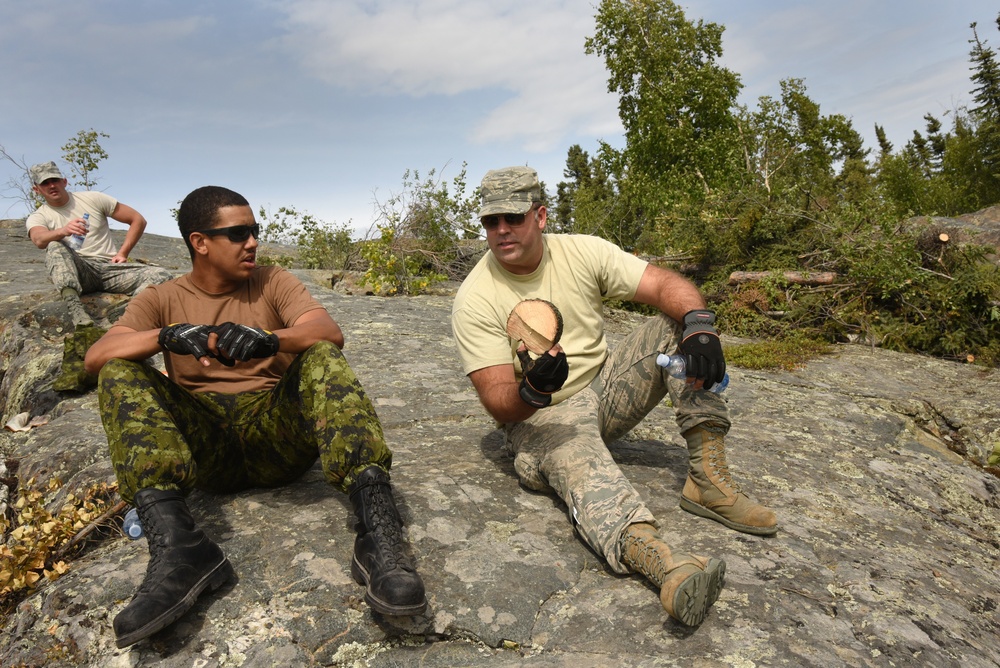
512, 219
236, 233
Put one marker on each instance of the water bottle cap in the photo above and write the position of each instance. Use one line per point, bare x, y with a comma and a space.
135, 531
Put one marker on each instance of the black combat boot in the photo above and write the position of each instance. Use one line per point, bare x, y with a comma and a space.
393, 586
182, 563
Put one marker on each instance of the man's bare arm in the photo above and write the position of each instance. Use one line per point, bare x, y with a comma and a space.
311, 327
668, 291
41, 236
122, 342
498, 391
123, 213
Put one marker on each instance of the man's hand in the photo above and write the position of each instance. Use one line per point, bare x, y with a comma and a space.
702, 348
542, 376
75, 226
240, 342
182, 338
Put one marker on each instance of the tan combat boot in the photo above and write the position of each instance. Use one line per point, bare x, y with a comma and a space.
709, 490
688, 584
77, 313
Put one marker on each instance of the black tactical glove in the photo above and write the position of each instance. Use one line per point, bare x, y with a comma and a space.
542, 376
702, 348
240, 342
182, 338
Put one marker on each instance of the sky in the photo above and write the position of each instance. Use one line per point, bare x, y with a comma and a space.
323, 105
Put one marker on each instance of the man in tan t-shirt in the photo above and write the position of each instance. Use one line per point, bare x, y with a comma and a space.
98, 264
249, 348
560, 408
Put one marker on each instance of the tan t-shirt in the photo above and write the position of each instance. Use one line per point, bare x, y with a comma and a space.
272, 299
98, 243
577, 273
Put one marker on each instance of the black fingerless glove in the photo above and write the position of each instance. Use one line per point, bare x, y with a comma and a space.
702, 348
240, 342
542, 376
182, 338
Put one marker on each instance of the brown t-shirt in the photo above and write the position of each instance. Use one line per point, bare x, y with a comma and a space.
271, 299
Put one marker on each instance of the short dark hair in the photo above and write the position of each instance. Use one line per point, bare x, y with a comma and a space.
200, 210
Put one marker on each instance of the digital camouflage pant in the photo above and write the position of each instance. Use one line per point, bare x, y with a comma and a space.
163, 436
69, 269
562, 447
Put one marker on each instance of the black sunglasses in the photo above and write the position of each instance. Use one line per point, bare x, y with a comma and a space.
236, 233
512, 219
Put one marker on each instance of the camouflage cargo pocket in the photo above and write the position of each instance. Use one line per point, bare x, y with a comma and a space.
73, 377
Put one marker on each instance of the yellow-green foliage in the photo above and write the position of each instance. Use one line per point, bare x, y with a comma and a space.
36, 539
787, 353
396, 267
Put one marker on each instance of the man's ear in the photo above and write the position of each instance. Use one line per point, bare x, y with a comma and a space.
541, 216
199, 243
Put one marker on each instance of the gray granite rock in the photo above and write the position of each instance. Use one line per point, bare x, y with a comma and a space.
873, 460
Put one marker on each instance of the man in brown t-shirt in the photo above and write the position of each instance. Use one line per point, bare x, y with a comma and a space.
256, 390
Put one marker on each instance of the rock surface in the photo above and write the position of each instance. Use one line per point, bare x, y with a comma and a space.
873, 460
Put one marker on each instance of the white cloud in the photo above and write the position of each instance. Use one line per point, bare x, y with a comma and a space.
531, 51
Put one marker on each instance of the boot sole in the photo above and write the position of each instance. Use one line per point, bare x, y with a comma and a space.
702, 511
716, 570
696, 594
212, 581
691, 600
362, 577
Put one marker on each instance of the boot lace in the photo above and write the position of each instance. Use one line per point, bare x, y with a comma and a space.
385, 528
643, 556
156, 541
720, 467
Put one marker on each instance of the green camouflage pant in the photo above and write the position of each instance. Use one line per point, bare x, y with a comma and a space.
69, 269
160, 435
562, 447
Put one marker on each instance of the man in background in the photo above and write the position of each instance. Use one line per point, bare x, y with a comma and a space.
99, 265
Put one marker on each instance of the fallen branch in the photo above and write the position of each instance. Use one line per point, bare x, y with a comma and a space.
87, 530
797, 277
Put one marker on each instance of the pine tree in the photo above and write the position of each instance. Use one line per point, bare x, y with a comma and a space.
986, 77
885, 146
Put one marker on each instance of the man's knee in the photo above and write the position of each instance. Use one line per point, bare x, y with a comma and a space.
61, 267
322, 353
117, 374
152, 276
324, 348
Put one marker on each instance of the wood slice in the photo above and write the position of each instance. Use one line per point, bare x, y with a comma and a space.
537, 323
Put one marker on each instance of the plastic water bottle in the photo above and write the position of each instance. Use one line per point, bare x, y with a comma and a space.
132, 526
676, 367
76, 241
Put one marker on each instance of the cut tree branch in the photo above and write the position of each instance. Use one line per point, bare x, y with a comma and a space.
797, 277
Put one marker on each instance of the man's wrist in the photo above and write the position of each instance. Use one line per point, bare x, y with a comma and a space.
533, 397
700, 316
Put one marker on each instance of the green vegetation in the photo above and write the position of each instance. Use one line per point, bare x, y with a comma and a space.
783, 187
319, 245
418, 232
83, 153
784, 353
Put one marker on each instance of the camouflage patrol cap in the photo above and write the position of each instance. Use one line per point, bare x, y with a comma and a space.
43, 171
509, 190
